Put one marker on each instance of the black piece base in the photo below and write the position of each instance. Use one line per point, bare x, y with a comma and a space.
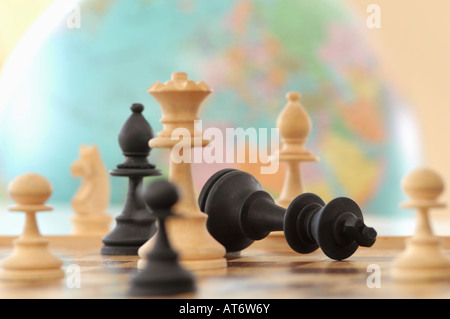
135, 225
129, 234
297, 218
310, 224
124, 247
162, 281
119, 250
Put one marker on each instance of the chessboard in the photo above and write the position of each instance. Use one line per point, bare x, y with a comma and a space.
297, 247
268, 269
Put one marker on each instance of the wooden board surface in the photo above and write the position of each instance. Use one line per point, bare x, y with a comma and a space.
266, 270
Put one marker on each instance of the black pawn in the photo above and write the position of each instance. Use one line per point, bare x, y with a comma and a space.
240, 212
162, 275
135, 225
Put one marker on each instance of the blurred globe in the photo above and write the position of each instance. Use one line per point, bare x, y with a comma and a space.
74, 76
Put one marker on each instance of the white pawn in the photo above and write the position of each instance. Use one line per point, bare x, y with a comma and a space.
423, 259
30, 259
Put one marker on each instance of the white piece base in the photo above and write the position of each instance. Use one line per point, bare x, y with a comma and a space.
423, 260
33, 275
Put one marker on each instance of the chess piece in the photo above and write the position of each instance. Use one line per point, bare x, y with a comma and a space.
92, 198
134, 225
180, 100
31, 260
294, 125
423, 258
240, 212
162, 275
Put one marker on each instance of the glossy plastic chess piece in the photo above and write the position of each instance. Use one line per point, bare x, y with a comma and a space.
240, 212
180, 100
162, 274
135, 225
31, 259
423, 258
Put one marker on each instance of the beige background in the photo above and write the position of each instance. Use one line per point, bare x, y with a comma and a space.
413, 46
